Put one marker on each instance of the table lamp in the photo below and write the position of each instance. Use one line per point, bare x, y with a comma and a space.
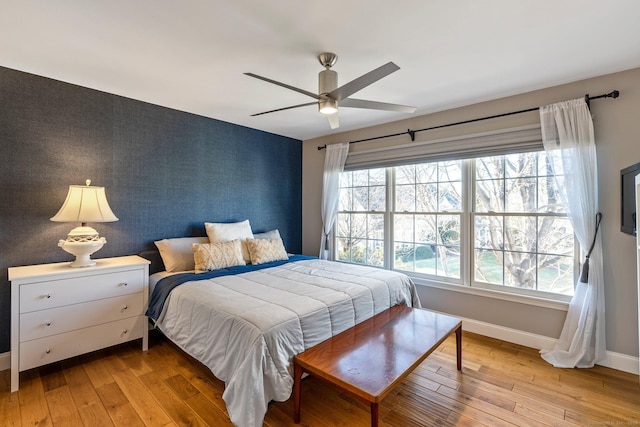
84, 204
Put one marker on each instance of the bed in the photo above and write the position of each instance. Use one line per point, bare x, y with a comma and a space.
246, 322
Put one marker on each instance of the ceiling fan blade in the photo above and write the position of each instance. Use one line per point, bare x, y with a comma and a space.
374, 105
333, 120
302, 91
285, 108
363, 81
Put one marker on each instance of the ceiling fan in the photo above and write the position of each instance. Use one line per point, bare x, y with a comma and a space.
330, 96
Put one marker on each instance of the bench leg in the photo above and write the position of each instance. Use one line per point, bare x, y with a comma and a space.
297, 392
374, 414
459, 348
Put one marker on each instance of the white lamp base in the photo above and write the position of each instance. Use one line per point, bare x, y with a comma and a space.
83, 247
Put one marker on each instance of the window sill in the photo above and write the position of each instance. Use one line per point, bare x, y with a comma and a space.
490, 293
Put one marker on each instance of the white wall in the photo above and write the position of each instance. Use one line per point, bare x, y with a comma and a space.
617, 130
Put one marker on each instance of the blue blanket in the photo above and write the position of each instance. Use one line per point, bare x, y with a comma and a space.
166, 285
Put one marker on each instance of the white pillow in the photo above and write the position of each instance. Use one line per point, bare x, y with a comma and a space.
266, 250
212, 256
273, 234
177, 254
225, 232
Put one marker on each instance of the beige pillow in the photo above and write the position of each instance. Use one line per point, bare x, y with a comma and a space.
224, 232
177, 254
266, 250
213, 256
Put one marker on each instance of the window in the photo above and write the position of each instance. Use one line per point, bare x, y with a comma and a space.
361, 218
427, 217
493, 222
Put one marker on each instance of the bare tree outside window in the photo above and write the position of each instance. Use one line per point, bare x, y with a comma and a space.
522, 237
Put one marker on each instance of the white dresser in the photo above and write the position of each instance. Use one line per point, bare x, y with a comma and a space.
58, 311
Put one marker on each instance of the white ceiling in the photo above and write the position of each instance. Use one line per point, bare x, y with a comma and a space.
191, 54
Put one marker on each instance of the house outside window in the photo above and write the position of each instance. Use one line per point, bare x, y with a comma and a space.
491, 222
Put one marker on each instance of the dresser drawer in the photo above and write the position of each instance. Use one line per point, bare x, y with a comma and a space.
57, 347
38, 324
57, 293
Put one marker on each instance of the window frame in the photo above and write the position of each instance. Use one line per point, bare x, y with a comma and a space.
467, 281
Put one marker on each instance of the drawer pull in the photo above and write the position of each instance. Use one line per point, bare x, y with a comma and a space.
123, 284
48, 323
48, 351
124, 307
124, 331
47, 296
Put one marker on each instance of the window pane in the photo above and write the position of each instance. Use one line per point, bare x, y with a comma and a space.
403, 228
488, 232
360, 178
520, 233
358, 252
427, 172
427, 197
450, 171
520, 165
555, 236
375, 226
404, 256
489, 167
343, 234
360, 199
555, 274
489, 196
405, 174
377, 176
377, 198
425, 256
342, 251
448, 261
548, 196
549, 163
344, 225
488, 266
375, 253
405, 198
346, 179
425, 229
359, 226
520, 270
448, 230
346, 198
520, 195
449, 197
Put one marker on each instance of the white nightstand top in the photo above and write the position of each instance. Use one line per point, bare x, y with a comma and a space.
62, 268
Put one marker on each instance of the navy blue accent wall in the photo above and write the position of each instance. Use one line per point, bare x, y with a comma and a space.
166, 172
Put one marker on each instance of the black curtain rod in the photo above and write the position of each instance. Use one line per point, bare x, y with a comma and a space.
412, 133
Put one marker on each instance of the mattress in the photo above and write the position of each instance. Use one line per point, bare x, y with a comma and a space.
247, 327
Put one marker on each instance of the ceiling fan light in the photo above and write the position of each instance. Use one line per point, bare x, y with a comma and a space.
328, 106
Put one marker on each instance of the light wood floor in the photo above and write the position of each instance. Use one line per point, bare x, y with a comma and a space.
501, 384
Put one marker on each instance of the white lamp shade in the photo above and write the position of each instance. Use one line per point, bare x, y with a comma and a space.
85, 203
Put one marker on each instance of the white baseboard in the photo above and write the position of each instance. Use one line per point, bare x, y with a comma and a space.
5, 361
619, 361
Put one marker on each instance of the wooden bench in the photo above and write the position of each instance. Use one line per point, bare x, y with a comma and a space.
371, 358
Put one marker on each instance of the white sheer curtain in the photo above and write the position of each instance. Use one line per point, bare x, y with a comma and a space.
567, 134
336, 155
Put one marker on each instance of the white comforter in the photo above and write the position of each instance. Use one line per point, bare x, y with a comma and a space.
247, 328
